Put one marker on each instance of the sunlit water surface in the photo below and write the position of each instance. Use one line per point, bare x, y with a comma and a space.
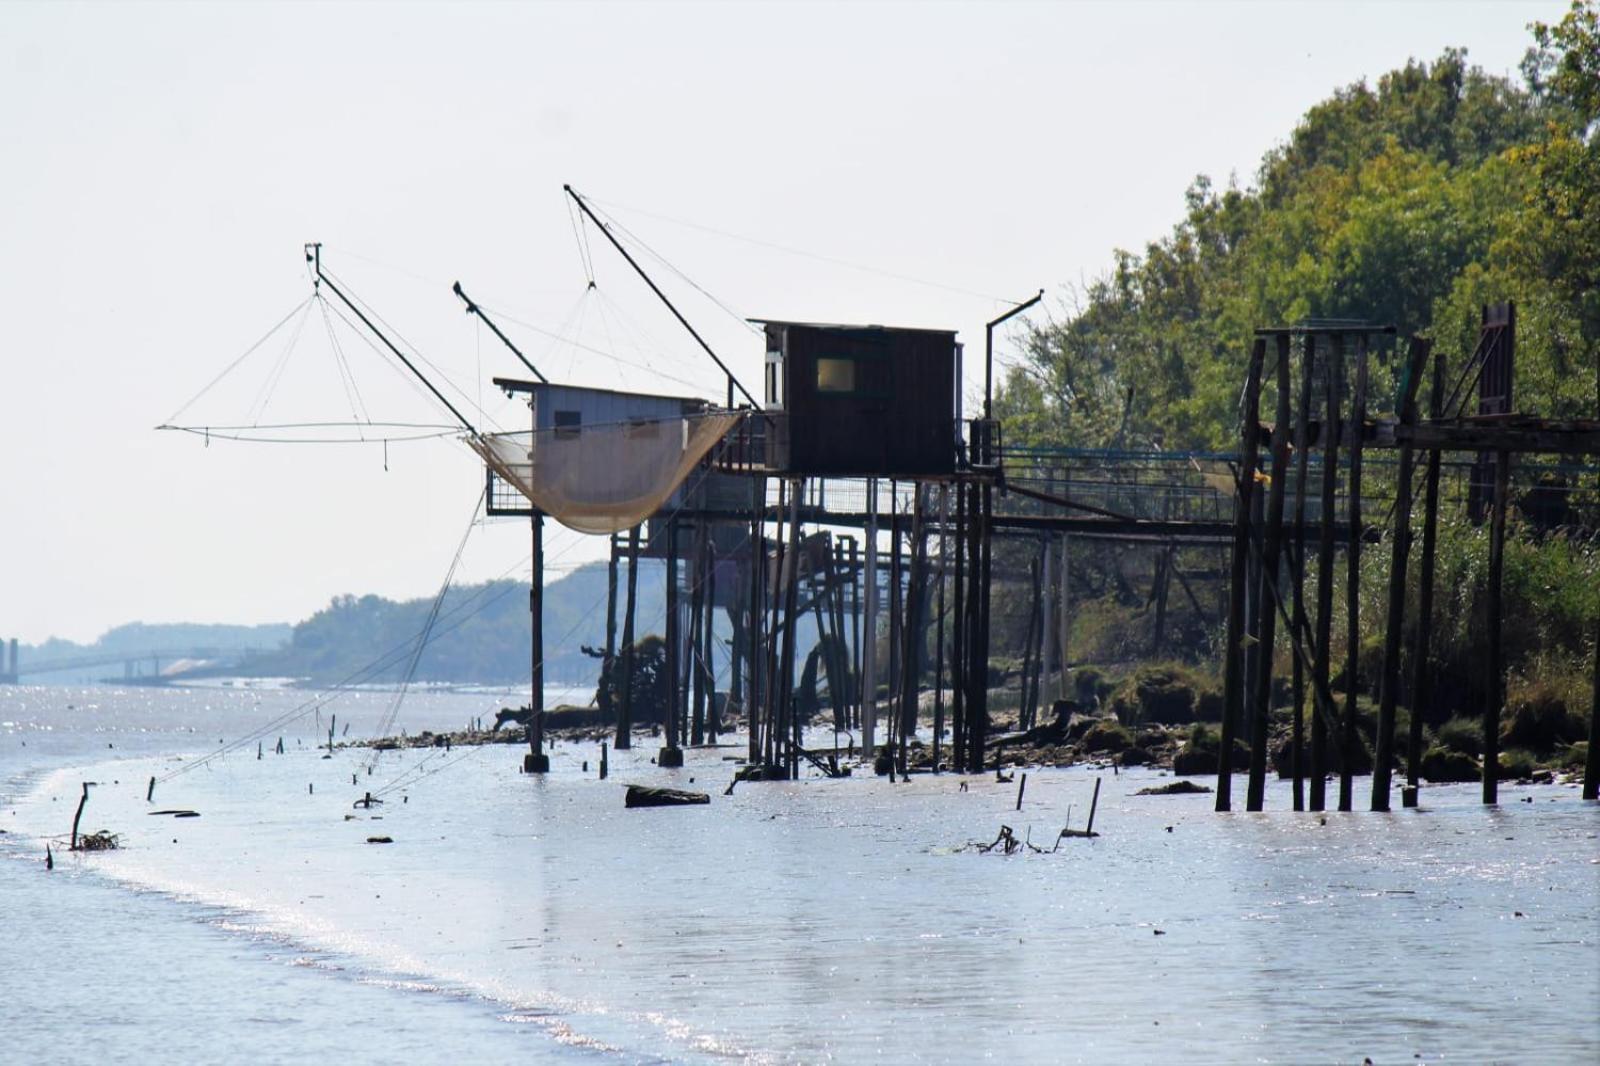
848, 920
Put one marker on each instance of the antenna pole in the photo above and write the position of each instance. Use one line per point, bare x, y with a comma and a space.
314, 257
474, 309
988, 352
733, 382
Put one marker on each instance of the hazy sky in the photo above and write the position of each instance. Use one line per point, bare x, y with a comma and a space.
164, 165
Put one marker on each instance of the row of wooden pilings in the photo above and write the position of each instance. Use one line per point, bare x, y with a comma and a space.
785, 577
1268, 566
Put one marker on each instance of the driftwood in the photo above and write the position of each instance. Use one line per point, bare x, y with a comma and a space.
1176, 788
101, 841
644, 796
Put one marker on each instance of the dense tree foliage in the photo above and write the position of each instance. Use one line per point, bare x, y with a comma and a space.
1409, 202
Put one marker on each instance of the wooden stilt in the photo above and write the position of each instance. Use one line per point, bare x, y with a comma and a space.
536, 762
1399, 549
608, 707
624, 737
1352, 614
1302, 456
938, 669
958, 640
1233, 673
1322, 668
1271, 549
699, 649
671, 755
753, 640
1495, 689
869, 628
1591, 765
791, 720
1422, 661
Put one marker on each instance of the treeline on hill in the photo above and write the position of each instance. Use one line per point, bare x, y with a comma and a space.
481, 635
1412, 201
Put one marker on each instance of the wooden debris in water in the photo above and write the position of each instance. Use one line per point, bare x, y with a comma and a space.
644, 796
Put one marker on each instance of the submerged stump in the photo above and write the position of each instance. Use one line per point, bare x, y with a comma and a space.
644, 796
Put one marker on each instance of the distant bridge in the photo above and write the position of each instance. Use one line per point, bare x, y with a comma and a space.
138, 667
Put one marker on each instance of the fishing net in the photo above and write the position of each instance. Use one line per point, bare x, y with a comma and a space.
603, 478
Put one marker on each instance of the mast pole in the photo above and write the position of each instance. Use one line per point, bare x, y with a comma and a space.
474, 309
314, 257
733, 382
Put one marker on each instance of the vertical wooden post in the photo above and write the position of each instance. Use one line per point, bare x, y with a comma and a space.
1322, 668
1495, 697
671, 755
753, 638
624, 737
938, 670
1163, 581
1352, 653
1029, 643
790, 625
1422, 662
1270, 570
699, 650
772, 658
869, 628
911, 656
1394, 625
1048, 643
977, 667
708, 641
897, 626
1065, 627
77, 816
1591, 765
855, 636
537, 761
1238, 573
1302, 431
958, 656
608, 706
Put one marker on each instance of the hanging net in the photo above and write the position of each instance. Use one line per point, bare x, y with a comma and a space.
603, 478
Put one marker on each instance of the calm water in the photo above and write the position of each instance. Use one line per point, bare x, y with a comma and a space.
517, 916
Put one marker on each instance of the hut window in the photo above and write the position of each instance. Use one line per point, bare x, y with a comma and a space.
568, 423
836, 375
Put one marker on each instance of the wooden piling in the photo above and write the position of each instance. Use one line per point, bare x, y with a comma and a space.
1352, 613
753, 641
1321, 669
869, 628
958, 641
1399, 550
790, 719
1421, 662
938, 669
1232, 671
911, 653
1302, 456
1591, 765
607, 707
1094, 805
624, 738
699, 574
1022, 786
1270, 569
1495, 694
537, 761
671, 755
78, 816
